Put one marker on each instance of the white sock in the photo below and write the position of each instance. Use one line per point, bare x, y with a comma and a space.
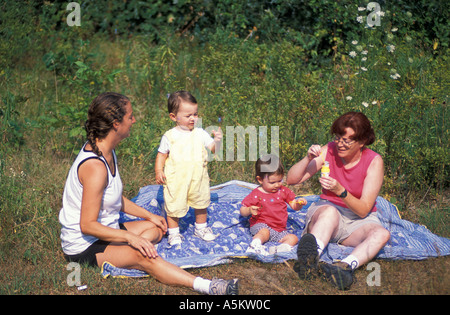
320, 246
352, 261
174, 231
201, 285
200, 226
255, 243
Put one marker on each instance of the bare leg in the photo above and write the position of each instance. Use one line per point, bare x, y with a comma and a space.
172, 222
145, 229
368, 240
124, 256
201, 215
324, 224
290, 239
263, 235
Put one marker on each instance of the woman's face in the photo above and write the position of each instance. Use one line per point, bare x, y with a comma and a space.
124, 127
347, 147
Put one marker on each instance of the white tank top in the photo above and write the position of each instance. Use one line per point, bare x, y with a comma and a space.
73, 241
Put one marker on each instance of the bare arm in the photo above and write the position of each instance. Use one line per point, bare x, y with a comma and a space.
159, 167
217, 139
371, 188
308, 166
93, 176
247, 211
131, 208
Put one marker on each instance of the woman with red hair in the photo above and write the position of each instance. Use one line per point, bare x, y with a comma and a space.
346, 211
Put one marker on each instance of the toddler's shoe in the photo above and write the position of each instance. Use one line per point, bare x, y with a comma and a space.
282, 248
224, 287
205, 234
259, 250
175, 239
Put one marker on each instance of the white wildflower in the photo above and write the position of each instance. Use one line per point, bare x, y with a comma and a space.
363, 58
364, 52
380, 13
354, 42
360, 19
348, 98
361, 9
365, 104
390, 48
363, 68
352, 54
374, 102
395, 29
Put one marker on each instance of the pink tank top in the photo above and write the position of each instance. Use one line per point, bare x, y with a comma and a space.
352, 179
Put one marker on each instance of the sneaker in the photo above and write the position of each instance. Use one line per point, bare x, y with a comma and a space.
224, 287
308, 258
205, 234
282, 248
258, 250
340, 274
175, 239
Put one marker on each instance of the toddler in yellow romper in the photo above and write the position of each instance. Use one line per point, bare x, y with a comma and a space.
181, 166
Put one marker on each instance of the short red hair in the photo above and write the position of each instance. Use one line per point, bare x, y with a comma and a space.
359, 123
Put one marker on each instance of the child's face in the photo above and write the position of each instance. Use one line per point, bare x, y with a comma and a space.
186, 117
271, 183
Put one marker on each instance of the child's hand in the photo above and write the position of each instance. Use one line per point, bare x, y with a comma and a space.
160, 177
297, 204
255, 210
217, 135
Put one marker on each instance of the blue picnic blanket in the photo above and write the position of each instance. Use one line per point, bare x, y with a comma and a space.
408, 240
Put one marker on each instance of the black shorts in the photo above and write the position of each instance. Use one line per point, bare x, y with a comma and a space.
88, 255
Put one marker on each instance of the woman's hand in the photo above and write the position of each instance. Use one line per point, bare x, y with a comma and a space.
159, 221
332, 185
314, 151
143, 245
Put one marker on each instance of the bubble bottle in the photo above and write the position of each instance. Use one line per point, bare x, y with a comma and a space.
325, 171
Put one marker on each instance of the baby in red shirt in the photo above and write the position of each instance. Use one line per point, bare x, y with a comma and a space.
267, 205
